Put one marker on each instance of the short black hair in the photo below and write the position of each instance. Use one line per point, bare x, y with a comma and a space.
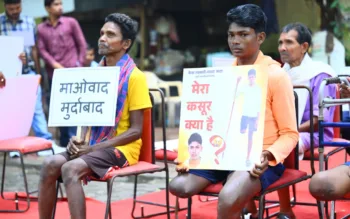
127, 25
304, 34
195, 137
248, 15
6, 2
252, 72
48, 3
89, 47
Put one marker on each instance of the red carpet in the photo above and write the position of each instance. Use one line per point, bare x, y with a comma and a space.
122, 209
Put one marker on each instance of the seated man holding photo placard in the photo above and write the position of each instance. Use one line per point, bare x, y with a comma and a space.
246, 33
104, 147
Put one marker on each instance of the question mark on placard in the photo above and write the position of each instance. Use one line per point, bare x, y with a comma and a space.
218, 143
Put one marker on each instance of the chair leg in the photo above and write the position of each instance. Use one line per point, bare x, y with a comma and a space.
167, 198
134, 199
332, 209
294, 193
110, 208
25, 185
3, 176
189, 208
261, 206
54, 207
177, 206
109, 196
25, 182
320, 207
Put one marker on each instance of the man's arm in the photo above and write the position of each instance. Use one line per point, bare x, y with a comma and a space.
283, 109
132, 134
305, 127
35, 56
42, 48
35, 53
330, 91
79, 41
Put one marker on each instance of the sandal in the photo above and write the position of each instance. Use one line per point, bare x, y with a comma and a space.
284, 216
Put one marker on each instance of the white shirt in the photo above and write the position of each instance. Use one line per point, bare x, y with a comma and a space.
251, 100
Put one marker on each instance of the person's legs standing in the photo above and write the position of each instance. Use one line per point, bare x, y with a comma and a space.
39, 123
66, 133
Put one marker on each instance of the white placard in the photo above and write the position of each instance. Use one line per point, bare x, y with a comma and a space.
84, 96
27, 35
17, 100
222, 117
11, 48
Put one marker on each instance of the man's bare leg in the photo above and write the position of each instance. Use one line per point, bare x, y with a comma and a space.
331, 184
72, 173
50, 172
251, 208
239, 189
186, 185
285, 205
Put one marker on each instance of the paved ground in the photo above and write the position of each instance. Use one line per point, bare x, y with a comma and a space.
123, 187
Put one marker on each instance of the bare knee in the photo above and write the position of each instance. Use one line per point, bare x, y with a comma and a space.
231, 200
321, 188
51, 168
180, 188
70, 172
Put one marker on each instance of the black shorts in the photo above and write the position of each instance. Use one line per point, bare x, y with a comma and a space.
101, 160
271, 175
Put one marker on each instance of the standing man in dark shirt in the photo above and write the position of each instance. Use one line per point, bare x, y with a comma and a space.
62, 45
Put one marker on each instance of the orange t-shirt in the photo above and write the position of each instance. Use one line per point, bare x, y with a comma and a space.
281, 133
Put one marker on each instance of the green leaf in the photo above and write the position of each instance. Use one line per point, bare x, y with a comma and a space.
335, 4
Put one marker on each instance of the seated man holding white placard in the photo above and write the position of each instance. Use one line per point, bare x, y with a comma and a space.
106, 147
246, 33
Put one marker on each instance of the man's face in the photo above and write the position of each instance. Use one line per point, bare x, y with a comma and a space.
111, 40
195, 150
243, 41
90, 56
13, 10
289, 48
55, 8
251, 79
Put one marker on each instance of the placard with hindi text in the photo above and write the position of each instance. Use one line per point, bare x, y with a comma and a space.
84, 96
222, 117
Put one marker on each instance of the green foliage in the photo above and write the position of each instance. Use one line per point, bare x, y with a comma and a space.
340, 29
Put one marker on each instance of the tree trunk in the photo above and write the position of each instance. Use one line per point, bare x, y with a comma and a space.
328, 15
